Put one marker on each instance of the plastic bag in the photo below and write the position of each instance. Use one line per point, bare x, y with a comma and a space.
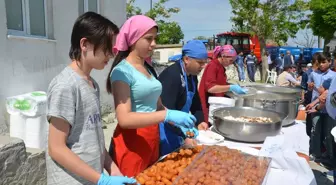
221, 165
30, 104
166, 170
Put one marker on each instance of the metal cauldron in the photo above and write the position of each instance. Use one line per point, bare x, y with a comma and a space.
285, 105
280, 99
246, 132
284, 91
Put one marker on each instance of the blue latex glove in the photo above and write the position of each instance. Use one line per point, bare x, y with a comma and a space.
185, 130
237, 89
115, 180
180, 119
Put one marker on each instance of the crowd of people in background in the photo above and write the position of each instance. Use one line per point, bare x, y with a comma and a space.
314, 78
285, 61
319, 123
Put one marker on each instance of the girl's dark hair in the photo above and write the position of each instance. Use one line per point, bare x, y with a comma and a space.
151, 69
322, 57
97, 29
314, 58
120, 56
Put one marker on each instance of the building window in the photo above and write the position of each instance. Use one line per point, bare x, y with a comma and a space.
26, 17
88, 5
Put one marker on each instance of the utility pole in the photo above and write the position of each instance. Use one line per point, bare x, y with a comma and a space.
319, 42
151, 5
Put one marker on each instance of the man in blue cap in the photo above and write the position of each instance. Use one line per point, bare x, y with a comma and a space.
179, 92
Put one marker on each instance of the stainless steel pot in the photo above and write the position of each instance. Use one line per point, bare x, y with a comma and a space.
285, 91
239, 99
246, 132
286, 105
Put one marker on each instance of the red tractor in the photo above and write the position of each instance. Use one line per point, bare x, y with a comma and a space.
240, 41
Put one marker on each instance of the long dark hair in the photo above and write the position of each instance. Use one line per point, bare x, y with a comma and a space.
120, 56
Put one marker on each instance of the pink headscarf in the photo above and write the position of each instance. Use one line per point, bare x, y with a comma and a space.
226, 50
132, 30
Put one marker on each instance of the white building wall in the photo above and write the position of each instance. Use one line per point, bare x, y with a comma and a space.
163, 52
28, 64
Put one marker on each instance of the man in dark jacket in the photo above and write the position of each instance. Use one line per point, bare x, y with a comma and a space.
179, 92
288, 59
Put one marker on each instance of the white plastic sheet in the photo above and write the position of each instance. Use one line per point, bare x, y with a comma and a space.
295, 139
288, 167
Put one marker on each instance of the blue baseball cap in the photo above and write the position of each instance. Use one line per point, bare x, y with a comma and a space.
195, 49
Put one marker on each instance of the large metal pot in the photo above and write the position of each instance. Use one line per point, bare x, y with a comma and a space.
286, 105
284, 91
246, 132
239, 99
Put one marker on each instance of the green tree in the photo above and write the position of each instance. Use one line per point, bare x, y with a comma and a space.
323, 18
275, 20
131, 9
169, 31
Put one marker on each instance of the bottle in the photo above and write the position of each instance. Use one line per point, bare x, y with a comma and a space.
301, 113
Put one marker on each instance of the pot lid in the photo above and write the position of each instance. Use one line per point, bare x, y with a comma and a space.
276, 89
263, 95
250, 91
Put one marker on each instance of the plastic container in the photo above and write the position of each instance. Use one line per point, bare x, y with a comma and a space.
36, 132
28, 118
301, 113
208, 137
17, 126
219, 102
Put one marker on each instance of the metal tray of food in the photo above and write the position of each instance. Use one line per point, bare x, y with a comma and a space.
169, 166
168, 170
238, 168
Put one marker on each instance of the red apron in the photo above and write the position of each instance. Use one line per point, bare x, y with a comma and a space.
214, 74
135, 149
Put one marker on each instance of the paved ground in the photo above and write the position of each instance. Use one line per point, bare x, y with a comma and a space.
319, 172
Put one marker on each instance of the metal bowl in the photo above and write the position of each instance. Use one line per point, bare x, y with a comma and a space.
246, 132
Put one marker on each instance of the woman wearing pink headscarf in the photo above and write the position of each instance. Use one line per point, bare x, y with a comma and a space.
214, 80
136, 92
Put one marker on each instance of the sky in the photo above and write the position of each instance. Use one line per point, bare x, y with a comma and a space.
201, 17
